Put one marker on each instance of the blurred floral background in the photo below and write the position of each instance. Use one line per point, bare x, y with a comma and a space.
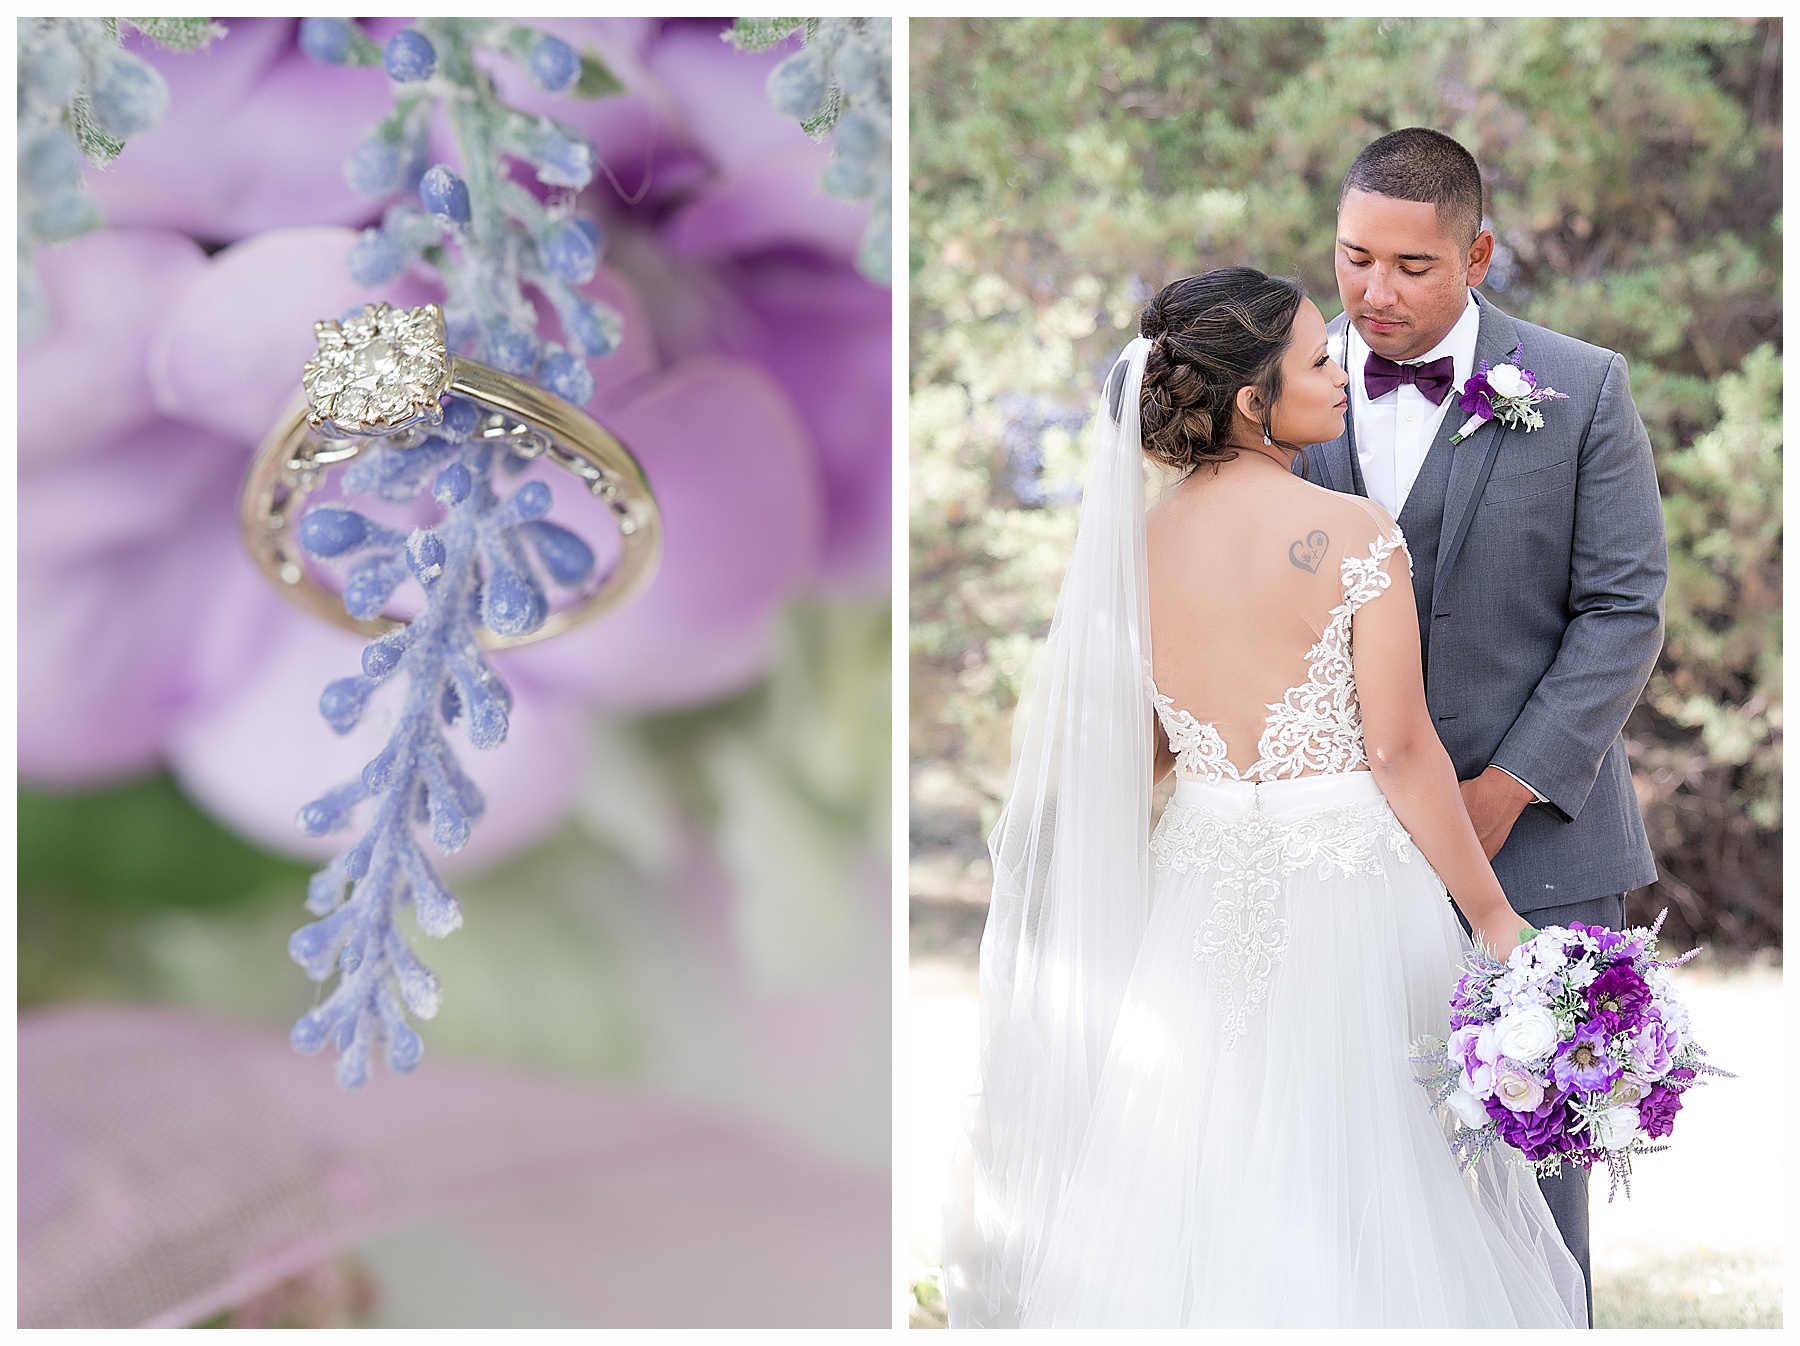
1063, 171
680, 886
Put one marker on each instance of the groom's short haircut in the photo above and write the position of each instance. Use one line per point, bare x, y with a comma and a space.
1419, 164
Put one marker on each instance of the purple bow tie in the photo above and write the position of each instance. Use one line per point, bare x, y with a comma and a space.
1381, 376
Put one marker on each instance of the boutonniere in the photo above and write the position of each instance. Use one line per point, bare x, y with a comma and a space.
1507, 393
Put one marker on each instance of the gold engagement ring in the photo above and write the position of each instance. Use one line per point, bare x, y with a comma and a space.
382, 375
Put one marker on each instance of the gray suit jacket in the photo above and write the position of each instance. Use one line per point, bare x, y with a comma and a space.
1544, 616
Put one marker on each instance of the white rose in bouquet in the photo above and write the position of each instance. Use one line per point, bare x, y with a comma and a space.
1526, 1034
1616, 1128
1518, 1090
1468, 1109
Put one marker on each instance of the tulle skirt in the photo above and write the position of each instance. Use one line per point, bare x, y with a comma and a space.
1258, 1153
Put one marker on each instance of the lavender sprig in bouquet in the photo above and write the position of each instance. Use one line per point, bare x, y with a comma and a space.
1575, 1049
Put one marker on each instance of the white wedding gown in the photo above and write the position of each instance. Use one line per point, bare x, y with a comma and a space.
1196, 1103
1258, 1152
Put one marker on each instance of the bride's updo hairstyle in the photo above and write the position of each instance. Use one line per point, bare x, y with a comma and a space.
1211, 335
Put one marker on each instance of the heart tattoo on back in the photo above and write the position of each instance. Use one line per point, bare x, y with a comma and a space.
1307, 554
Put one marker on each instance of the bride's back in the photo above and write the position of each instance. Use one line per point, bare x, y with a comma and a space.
1245, 568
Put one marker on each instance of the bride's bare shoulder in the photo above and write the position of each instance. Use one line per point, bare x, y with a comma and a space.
1197, 508
1354, 513
1176, 502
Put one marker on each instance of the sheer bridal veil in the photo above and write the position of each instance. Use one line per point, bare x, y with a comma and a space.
1071, 889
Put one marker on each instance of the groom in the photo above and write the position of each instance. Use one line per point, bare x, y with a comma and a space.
1538, 557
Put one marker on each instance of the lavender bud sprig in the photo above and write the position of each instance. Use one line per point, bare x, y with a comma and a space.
838, 86
81, 96
488, 239
473, 567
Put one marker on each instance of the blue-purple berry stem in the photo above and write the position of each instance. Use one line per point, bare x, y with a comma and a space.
415, 778
487, 238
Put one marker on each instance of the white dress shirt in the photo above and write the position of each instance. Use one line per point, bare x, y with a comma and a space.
1394, 432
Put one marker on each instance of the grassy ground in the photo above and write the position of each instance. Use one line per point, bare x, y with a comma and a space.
1698, 1244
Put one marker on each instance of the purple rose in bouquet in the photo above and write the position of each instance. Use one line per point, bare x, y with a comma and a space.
1654, 1045
1540, 1133
1656, 1114
1473, 1048
1575, 1049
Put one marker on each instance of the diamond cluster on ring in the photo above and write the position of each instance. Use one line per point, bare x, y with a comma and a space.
378, 371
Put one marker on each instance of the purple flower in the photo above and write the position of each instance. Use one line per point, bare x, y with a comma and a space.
1632, 944
1605, 938
255, 137
1617, 999
1477, 395
1539, 1133
1468, 1003
1654, 1045
1656, 1114
1524, 985
1581, 1064
767, 268
1475, 1050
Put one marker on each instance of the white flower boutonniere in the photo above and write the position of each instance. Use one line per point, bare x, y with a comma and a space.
1507, 393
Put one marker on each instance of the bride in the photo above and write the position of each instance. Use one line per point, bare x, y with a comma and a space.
1197, 1107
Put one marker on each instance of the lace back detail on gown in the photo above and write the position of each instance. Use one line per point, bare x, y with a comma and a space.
1198, 749
1316, 726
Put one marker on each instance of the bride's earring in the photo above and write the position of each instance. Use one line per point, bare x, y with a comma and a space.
1267, 440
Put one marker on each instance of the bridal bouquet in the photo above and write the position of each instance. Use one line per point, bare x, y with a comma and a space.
1575, 1049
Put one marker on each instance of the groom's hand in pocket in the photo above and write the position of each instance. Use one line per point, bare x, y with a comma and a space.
1494, 801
